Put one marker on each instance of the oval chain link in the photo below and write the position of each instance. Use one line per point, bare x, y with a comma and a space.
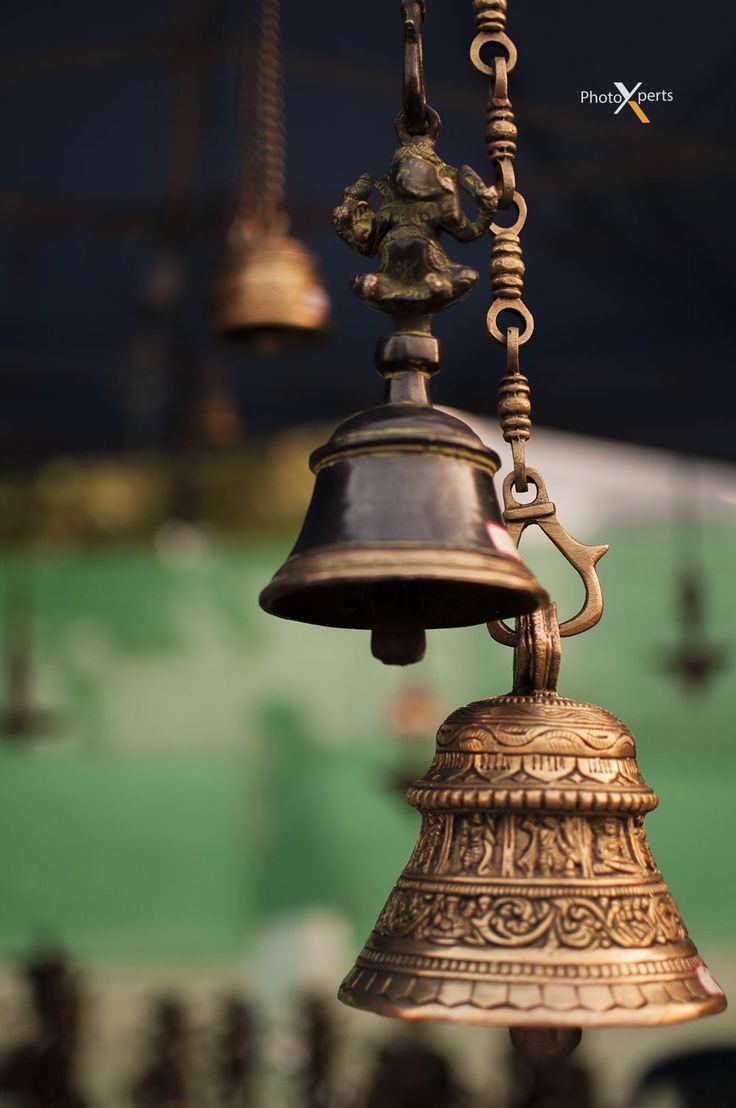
507, 283
507, 263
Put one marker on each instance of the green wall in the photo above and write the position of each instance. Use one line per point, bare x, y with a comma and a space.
216, 768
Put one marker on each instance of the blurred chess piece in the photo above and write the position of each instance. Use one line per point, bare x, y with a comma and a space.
698, 1079
410, 1074
165, 1081
319, 1043
234, 1055
42, 1073
21, 718
696, 658
562, 1084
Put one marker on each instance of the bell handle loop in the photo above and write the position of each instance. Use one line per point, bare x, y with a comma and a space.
583, 558
414, 114
537, 651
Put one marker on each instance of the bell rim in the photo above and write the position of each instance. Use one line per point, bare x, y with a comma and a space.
650, 1015
365, 564
290, 332
529, 999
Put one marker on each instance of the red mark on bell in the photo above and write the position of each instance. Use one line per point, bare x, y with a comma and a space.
501, 540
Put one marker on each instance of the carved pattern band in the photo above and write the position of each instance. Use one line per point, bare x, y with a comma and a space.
373, 957
458, 779
548, 724
458, 767
561, 800
579, 923
548, 848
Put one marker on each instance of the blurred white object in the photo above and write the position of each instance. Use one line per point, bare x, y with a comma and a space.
597, 482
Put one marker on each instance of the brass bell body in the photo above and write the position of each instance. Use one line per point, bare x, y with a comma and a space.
532, 898
269, 293
403, 531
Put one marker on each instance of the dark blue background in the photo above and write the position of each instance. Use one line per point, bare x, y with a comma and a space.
629, 243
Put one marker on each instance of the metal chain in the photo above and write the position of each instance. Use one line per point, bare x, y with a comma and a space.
507, 263
249, 152
263, 158
507, 283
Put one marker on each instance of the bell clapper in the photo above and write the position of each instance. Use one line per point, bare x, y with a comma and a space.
397, 637
544, 1046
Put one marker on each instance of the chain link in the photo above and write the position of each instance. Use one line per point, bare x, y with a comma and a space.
261, 111
507, 283
515, 408
507, 262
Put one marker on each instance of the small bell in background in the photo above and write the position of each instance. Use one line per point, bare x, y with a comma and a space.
22, 721
413, 714
696, 658
268, 293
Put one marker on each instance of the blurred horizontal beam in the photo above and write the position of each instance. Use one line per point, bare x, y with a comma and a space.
357, 76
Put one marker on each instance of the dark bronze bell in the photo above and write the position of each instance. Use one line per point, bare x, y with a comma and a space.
403, 531
532, 899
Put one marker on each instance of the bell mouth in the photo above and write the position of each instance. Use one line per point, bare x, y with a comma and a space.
539, 998
443, 586
269, 339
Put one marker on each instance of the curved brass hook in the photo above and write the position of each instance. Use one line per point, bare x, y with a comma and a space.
542, 512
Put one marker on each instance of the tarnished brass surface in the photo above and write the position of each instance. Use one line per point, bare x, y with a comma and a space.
532, 897
338, 581
403, 525
270, 294
420, 198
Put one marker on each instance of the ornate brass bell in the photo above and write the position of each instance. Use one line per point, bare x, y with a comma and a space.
532, 898
269, 293
403, 531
